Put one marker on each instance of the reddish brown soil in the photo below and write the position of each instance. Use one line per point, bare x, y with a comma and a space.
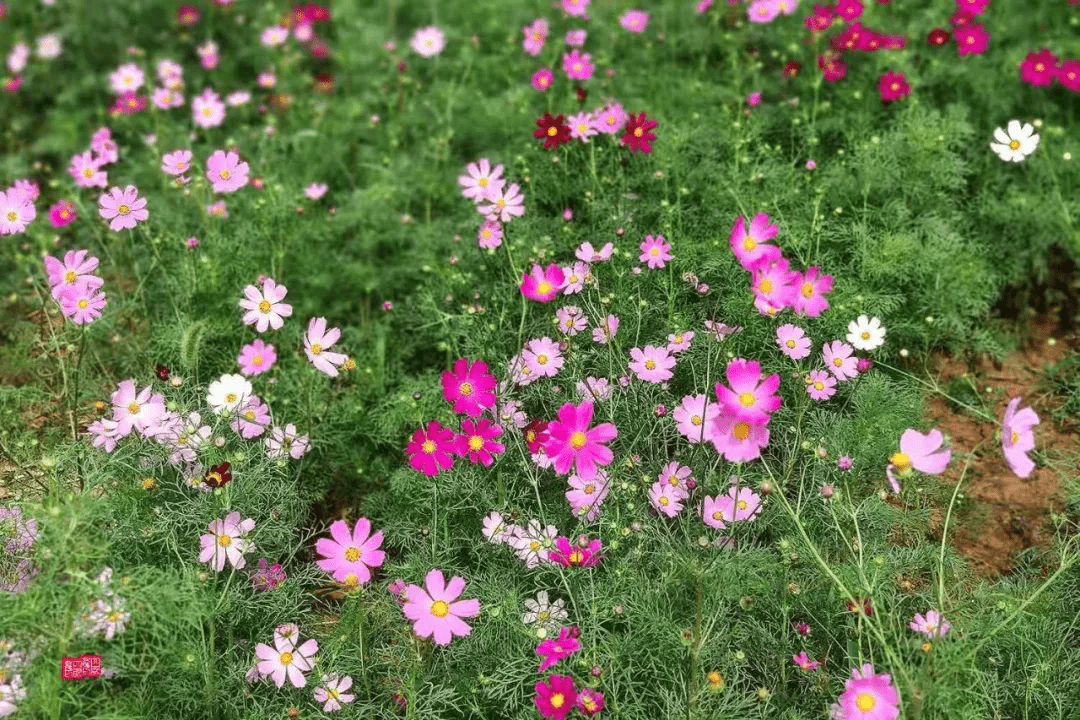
1008, 514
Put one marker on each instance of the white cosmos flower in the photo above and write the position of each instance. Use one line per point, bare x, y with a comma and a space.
542, 613
1017, 144
866, 334
228, 392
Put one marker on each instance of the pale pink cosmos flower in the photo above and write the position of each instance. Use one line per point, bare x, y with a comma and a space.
745, 504
715, 510
82, 304
821, 386
763, 11
535, 36
316, 341
286, 660
503, 204
675, 476
655, 251
575, 38
575, 8
490, 235
839, 360
634, 20
606, 329
586, 496
666, 499
104, 434
751, 244
28, 188
572, 443
610, 120
694, 417
1017, 438
435, 609
177, 162
169, 72
571, 320
333, 692
238, 98
226, 172
135, 409
680, 342
543, 357
581, 127
124, 208
925, 453
215, 209
274, 35
251, 418
86, 171
750, 398
315, 191
428, 41
653, 364
166, 98
126, 78
16, 211
595, 389
207, 109
101, 143
495, 530
586, 253
18, 57
793, 341
480, 179
77, 268
574, 278
578, 65
227, 541
264, 306
510, 413
932, 626
284, 441
542, 284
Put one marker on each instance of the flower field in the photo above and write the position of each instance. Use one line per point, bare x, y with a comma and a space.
634, 359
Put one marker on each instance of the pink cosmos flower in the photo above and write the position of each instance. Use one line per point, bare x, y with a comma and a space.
571, 320
177, 162
226, 541
535, 36
821, 386
750, 398
839, 360
716, 512
810, 296
166, 98
605, 331
578, 65
832, 66
695, 417
16, 211
85, 169
575, 555
477, 441
77, 268
225, 171
542, 78
274, 35
314, 191
543, 357
867, 697
264, 306
586, 496
750, 245
1017, 438
804, 662
680, 342
932, 626
575, 8
773, 285
286, 660
921, 452
572, 443
586, 253
431, 449
490, 235
62, 213
81, 304
216, 209
207, 109
574, 278
285, 441
666, 498
745, 504
655, 251
135, 409
971, 39
540, 284
316, 341
592, 388
893, 86
762, 11
793, 341
333, 692
634, 20
1037, 68
653, 364
610, 120
469, 387
350, 556
434, 611
124, 208
581, 127
590, 701
256, 357
126, 78
552, 650
251, 419
428, 41
503, 204
575, 38
28, 188
557, 696
480, 179
738, 440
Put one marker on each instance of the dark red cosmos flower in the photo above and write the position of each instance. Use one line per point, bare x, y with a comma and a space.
938, 37
637, 136
792, 68
187, 15
324, 82
218, 475
162, 372
536, 435
553, 130
581, 94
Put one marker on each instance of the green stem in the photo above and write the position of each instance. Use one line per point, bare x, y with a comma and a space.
944, 535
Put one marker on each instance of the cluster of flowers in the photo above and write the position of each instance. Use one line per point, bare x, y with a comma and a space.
536, 544
1042, 68
105, 615
17, 207
971, 38
12, 664
86, 167
74, 286
224, 170
19, 536
498, 203
609, 120
47, 47
558, 695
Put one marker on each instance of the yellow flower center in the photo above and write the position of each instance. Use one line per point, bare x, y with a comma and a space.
439, 609
638, 132
931, 627
1038, 66
82, 304
1014, 437
577, 67
332, 694
123, 209
790, 344
230, 398
70, 276
587, 703
285, 658
577, 440
542, 359
465, 388
589, 489
741, 430
316, 348
352, 554
486, 232
865, 335
224, 540
741, 504
1014, 145
837, 362
88, 172
865, 702
133, 408
556, 700
650, 365
696, 420
900, 460
819, 385
500, 203
663, 500
895, 86
717, 515
655, 252
482, 182
552, 131
351, 580
214, 479
224, 174
808, 290
582, 128
114, 616
575, 557
749, 243
543, 287
428, 447
206, 111
476, 442
257, 360
766, 286
746, 399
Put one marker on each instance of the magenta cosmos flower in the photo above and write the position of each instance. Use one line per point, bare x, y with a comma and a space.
477, 441
574, 555
556, 697
803, 661
226, 541
971, 39
124, 208
773, 285
750, 398
738, 440
793, 341
349, 557
653, 364
62, 213
225, 171
577, 65
542, 284
867, 696
265, 307
1038, 68
552, 650
316, 341
893, 86
480, 179
634, 20
811, 289
572, 443
435, 611
921, 452
469, 387
256, 357
431, 449
655, 251
286, 660
751, 245
541, 79
1017, 438
932, 626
